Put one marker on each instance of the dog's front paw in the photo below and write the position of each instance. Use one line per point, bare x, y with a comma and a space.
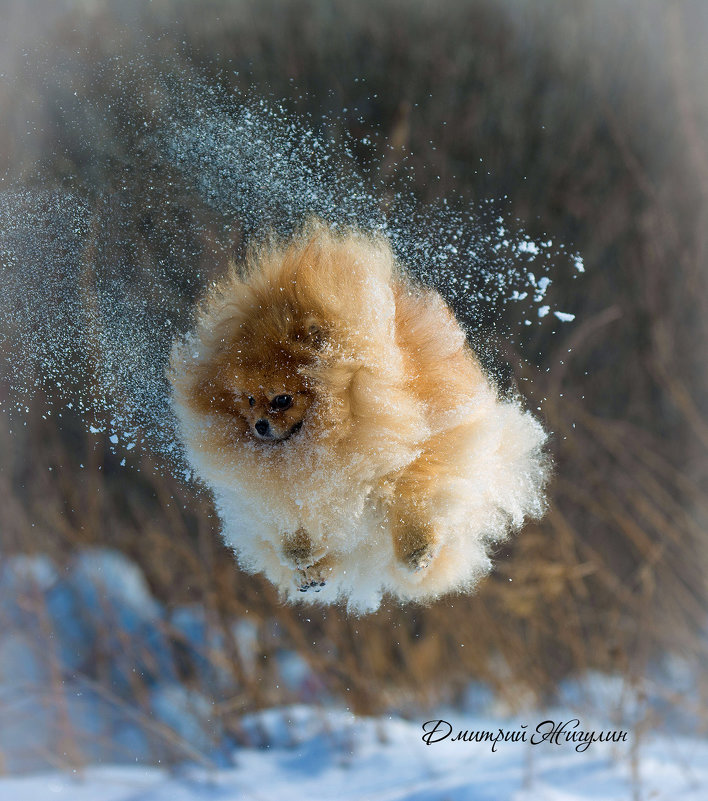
310, 582
299, 550
314, 577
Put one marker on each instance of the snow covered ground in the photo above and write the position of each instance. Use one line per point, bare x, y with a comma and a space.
74, 640
334, 755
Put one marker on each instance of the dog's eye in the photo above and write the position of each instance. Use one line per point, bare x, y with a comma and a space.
251, 400
281, 402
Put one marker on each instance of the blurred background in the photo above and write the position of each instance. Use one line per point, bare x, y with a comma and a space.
127, 630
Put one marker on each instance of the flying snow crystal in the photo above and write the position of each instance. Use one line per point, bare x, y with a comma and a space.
78, 322
89, 312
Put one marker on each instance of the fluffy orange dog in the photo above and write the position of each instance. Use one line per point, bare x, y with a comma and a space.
349, 436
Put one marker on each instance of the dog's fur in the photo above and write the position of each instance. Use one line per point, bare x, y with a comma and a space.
393, 464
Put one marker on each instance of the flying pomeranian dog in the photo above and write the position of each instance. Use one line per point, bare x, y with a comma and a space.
351, 440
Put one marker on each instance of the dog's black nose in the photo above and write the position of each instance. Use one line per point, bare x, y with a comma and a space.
263, 427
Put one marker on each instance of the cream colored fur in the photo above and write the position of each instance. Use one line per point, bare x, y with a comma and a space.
404, 433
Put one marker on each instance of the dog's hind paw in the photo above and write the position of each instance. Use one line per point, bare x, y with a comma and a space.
421, 558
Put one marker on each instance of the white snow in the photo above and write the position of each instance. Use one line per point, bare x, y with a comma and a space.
528, 246
331, 754
541, 287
